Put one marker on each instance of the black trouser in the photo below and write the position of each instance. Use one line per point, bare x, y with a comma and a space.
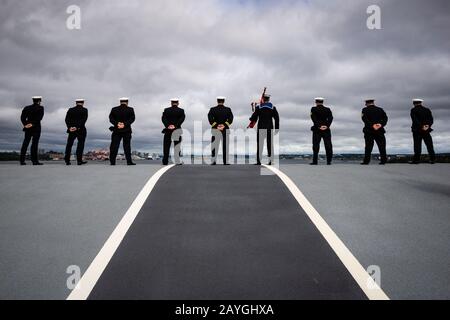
380, 139
116, 137
33, 136
316, 139
425, 137
215, 142
81, 137
264, 134
168, 138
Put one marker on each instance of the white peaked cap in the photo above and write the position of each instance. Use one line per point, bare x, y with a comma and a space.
79, 100
37, 98
221, 98
417, 100
124, 99
174, 100
319, 99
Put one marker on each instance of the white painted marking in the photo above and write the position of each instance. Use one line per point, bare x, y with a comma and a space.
367, 284
98, 265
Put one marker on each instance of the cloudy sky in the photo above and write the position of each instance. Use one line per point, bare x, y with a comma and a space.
154, 50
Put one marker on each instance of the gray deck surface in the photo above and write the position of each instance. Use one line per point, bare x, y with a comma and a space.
54, 216
244, 236
397, 217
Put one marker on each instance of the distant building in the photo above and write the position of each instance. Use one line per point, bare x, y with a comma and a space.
97, 155
154, 156
55, 156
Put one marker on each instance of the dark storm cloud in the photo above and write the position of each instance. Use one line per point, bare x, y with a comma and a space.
196, 50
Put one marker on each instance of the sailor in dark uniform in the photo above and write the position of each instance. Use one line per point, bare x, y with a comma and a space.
375, 120
322, 118
422, 120
172, 119
76, 119
31, 118
220, 119
122, 117
265, 115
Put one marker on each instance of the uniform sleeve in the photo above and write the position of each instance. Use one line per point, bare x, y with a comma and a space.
365, 119
330, 118
430, 119
211, 118
384, 119
131, 119
276, 117
414, 119
85, 117
255, 115
230, 118
314, 118
41, 114
164, 119
112, 118
23, 117
181, 120
67, 120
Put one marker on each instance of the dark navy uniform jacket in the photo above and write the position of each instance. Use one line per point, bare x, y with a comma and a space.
32, 114
265, 114
122, 114
421, 116
372, 115
321, 116
173, 116
220, 115
77, 117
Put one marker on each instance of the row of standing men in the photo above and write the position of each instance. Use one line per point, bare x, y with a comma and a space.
265, 116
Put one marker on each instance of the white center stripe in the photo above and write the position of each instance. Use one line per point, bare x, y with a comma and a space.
99, 264
367, 284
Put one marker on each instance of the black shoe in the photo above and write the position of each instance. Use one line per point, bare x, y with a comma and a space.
179, 164
432, 162
37, 164
364, 163
131, 164
257, 164
313, 164
382, 163
23, 164
269, 164
214, 164
227, 164
112, 164
328, 163
82, 163
68, 164
413, 162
